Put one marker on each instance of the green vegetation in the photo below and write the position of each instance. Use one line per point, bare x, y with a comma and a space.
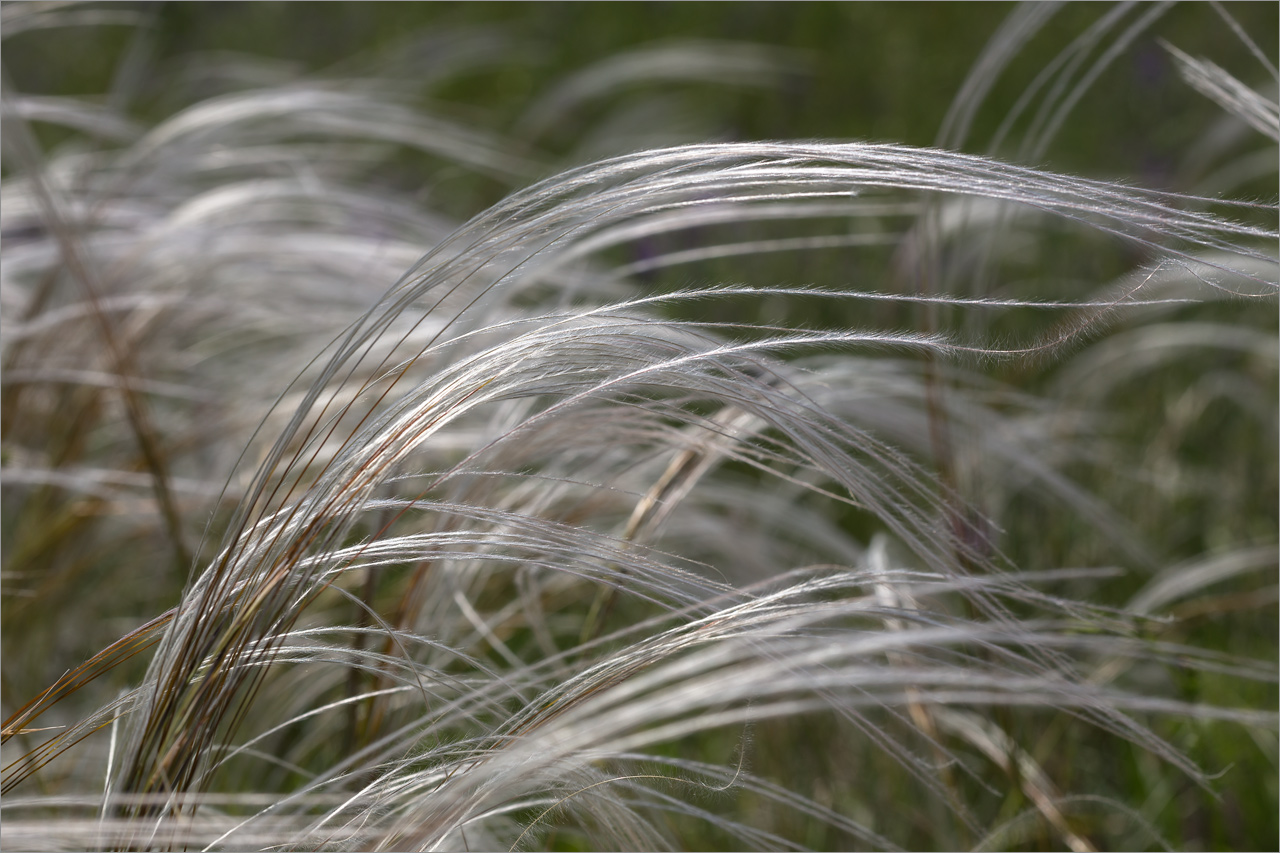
641, 426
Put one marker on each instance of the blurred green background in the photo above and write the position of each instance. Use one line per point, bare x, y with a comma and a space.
867, 71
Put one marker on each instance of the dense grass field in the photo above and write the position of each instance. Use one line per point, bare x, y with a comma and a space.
639, 426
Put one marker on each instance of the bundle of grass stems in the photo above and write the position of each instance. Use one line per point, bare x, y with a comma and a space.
709, 495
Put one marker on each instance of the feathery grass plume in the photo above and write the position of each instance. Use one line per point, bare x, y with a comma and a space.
742, 494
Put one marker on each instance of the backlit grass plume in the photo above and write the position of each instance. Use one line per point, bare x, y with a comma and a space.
736, 494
